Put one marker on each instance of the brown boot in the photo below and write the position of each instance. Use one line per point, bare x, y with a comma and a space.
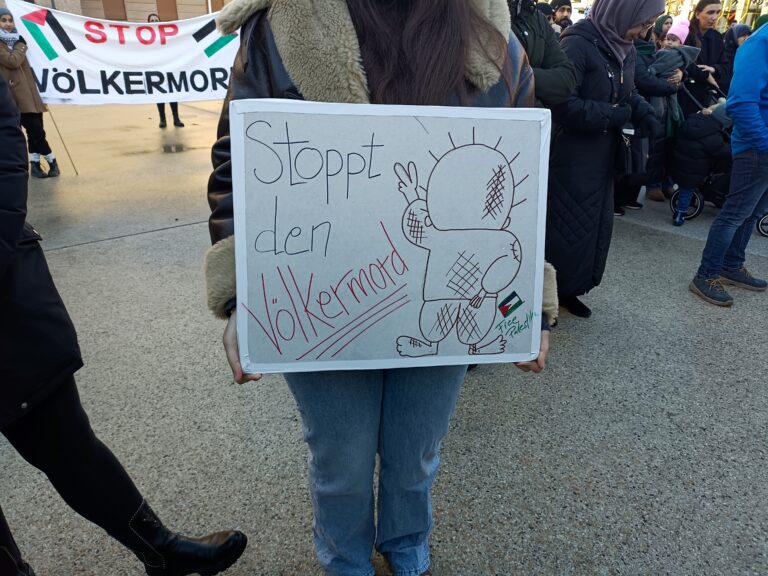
655, 194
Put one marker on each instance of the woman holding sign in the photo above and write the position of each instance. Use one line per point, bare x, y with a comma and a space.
409, 52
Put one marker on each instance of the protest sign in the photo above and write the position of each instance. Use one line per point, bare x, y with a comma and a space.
79, 60
387, 236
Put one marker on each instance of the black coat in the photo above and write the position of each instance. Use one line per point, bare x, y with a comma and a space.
38, 344
584, 146
712, 54
554, 73
702, 148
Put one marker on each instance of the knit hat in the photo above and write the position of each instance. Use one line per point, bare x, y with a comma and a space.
761, 21
557, 4
5, 12
545, 9
681, 27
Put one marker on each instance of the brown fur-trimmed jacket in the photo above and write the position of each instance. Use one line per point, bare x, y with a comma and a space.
308, 49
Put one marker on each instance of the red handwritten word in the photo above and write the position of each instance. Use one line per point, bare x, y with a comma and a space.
98, 33
310, 311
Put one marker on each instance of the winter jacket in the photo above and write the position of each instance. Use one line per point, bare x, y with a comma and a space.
285, 53
712, 54
748, 99
647, 83
38, 345
584, 146
702, 148
14, 67
663, 65
554, 73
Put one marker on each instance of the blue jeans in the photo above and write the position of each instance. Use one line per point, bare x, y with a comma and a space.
746, 202
348, 418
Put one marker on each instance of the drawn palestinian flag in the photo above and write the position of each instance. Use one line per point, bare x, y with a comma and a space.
510, 304
34, 23
208, 29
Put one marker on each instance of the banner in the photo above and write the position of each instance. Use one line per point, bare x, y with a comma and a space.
79, 60
387, 236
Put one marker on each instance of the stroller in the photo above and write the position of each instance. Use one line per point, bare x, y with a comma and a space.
713, 190
702, 159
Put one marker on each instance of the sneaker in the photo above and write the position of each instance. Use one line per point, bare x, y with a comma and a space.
743, 279
711, 290
618, 211
679, 218
634, 205
655, 195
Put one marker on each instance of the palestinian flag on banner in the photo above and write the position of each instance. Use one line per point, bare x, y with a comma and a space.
35, 21
204, 33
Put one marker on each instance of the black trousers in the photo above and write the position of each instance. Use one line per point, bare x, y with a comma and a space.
33, 125
174, 110
56, 438
625, 190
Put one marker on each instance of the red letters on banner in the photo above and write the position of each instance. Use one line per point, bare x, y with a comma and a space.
98, 33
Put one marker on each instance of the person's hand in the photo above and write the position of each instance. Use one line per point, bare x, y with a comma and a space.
478, 300
712, 82
233, 352
557, 28
541, 362
620, 115
707, 68
676, 78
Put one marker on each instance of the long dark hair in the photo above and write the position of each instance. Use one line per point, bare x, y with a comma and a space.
695, 34
416, 51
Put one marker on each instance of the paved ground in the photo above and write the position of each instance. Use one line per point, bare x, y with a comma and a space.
642, 450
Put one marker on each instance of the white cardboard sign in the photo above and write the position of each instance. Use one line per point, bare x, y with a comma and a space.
387, 236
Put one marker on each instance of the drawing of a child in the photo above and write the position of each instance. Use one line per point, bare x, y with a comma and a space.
461, 219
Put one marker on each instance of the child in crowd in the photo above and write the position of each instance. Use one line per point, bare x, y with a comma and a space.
668, 64
702, 148
16, 70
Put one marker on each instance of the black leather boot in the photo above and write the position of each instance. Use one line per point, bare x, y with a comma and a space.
53, 169
36, 170
163, 123
11, 567
177, 122
11, 562
165, 553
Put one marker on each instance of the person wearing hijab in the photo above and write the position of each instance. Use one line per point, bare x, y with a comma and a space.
661, 27
734, 38
760, 21
15, 68
586, 141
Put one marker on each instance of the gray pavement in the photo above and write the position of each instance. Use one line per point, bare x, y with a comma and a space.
641, 450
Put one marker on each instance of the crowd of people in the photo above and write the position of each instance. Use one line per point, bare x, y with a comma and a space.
636, 102
650, 106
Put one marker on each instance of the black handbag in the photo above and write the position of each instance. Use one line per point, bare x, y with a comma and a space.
632, 152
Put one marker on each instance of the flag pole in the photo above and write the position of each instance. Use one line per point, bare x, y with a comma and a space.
71, 161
